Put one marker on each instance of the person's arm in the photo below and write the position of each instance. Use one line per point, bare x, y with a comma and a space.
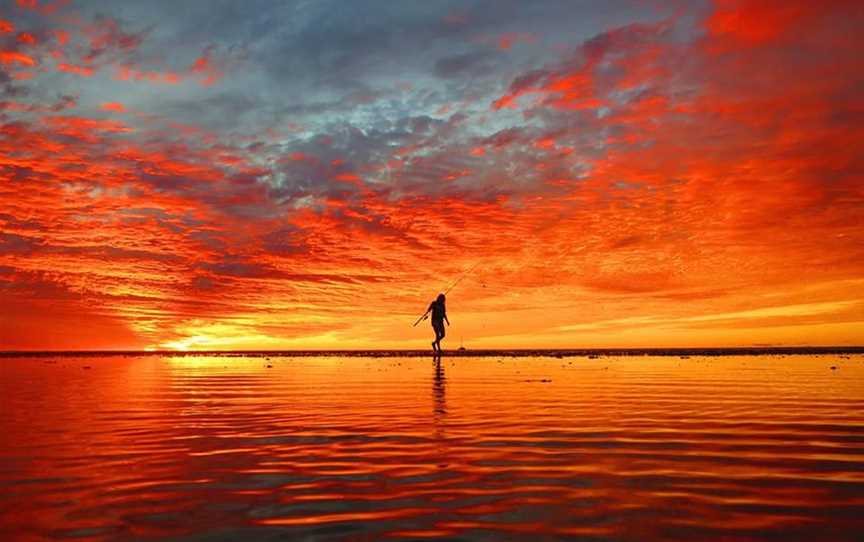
424, 316
445, 317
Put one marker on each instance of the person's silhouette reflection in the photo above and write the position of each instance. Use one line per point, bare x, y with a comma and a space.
439, 409
438, 390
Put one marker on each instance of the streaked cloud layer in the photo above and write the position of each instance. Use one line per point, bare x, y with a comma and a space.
310, 174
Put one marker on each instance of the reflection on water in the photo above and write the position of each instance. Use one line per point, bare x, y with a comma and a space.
438, 390
616, 448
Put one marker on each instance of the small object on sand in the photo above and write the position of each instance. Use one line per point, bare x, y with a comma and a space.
269, 366
833, 367
86, 367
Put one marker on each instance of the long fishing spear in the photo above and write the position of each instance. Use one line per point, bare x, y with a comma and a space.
425, 315
465, 274
447, 291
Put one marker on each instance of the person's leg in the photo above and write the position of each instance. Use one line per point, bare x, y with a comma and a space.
439, 334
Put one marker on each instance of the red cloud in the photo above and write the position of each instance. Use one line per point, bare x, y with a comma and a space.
62, 37
508, 40
84, 71
128, 73
15, 57
575, 84
106, 37
757, 22
84, 128
26, 38
116, 107
204, 66
457, 175
352, 178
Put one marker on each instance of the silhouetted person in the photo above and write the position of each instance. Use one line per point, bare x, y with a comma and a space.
439, 316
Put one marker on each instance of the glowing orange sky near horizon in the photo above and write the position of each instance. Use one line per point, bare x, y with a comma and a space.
678, 181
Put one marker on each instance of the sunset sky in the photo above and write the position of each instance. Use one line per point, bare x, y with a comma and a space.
310, 174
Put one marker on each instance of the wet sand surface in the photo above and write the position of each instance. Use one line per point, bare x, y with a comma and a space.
269, 447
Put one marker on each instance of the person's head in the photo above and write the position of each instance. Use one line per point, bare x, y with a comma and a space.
440, 298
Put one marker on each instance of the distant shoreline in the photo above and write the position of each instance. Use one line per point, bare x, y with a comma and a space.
510, 352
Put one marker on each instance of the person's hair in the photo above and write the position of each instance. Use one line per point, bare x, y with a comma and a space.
440, 297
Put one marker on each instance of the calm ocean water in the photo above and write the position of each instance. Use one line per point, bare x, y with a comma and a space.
329, 448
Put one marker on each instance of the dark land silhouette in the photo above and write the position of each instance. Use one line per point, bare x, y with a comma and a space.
468, 352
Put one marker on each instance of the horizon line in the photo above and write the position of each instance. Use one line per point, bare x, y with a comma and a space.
462, 352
